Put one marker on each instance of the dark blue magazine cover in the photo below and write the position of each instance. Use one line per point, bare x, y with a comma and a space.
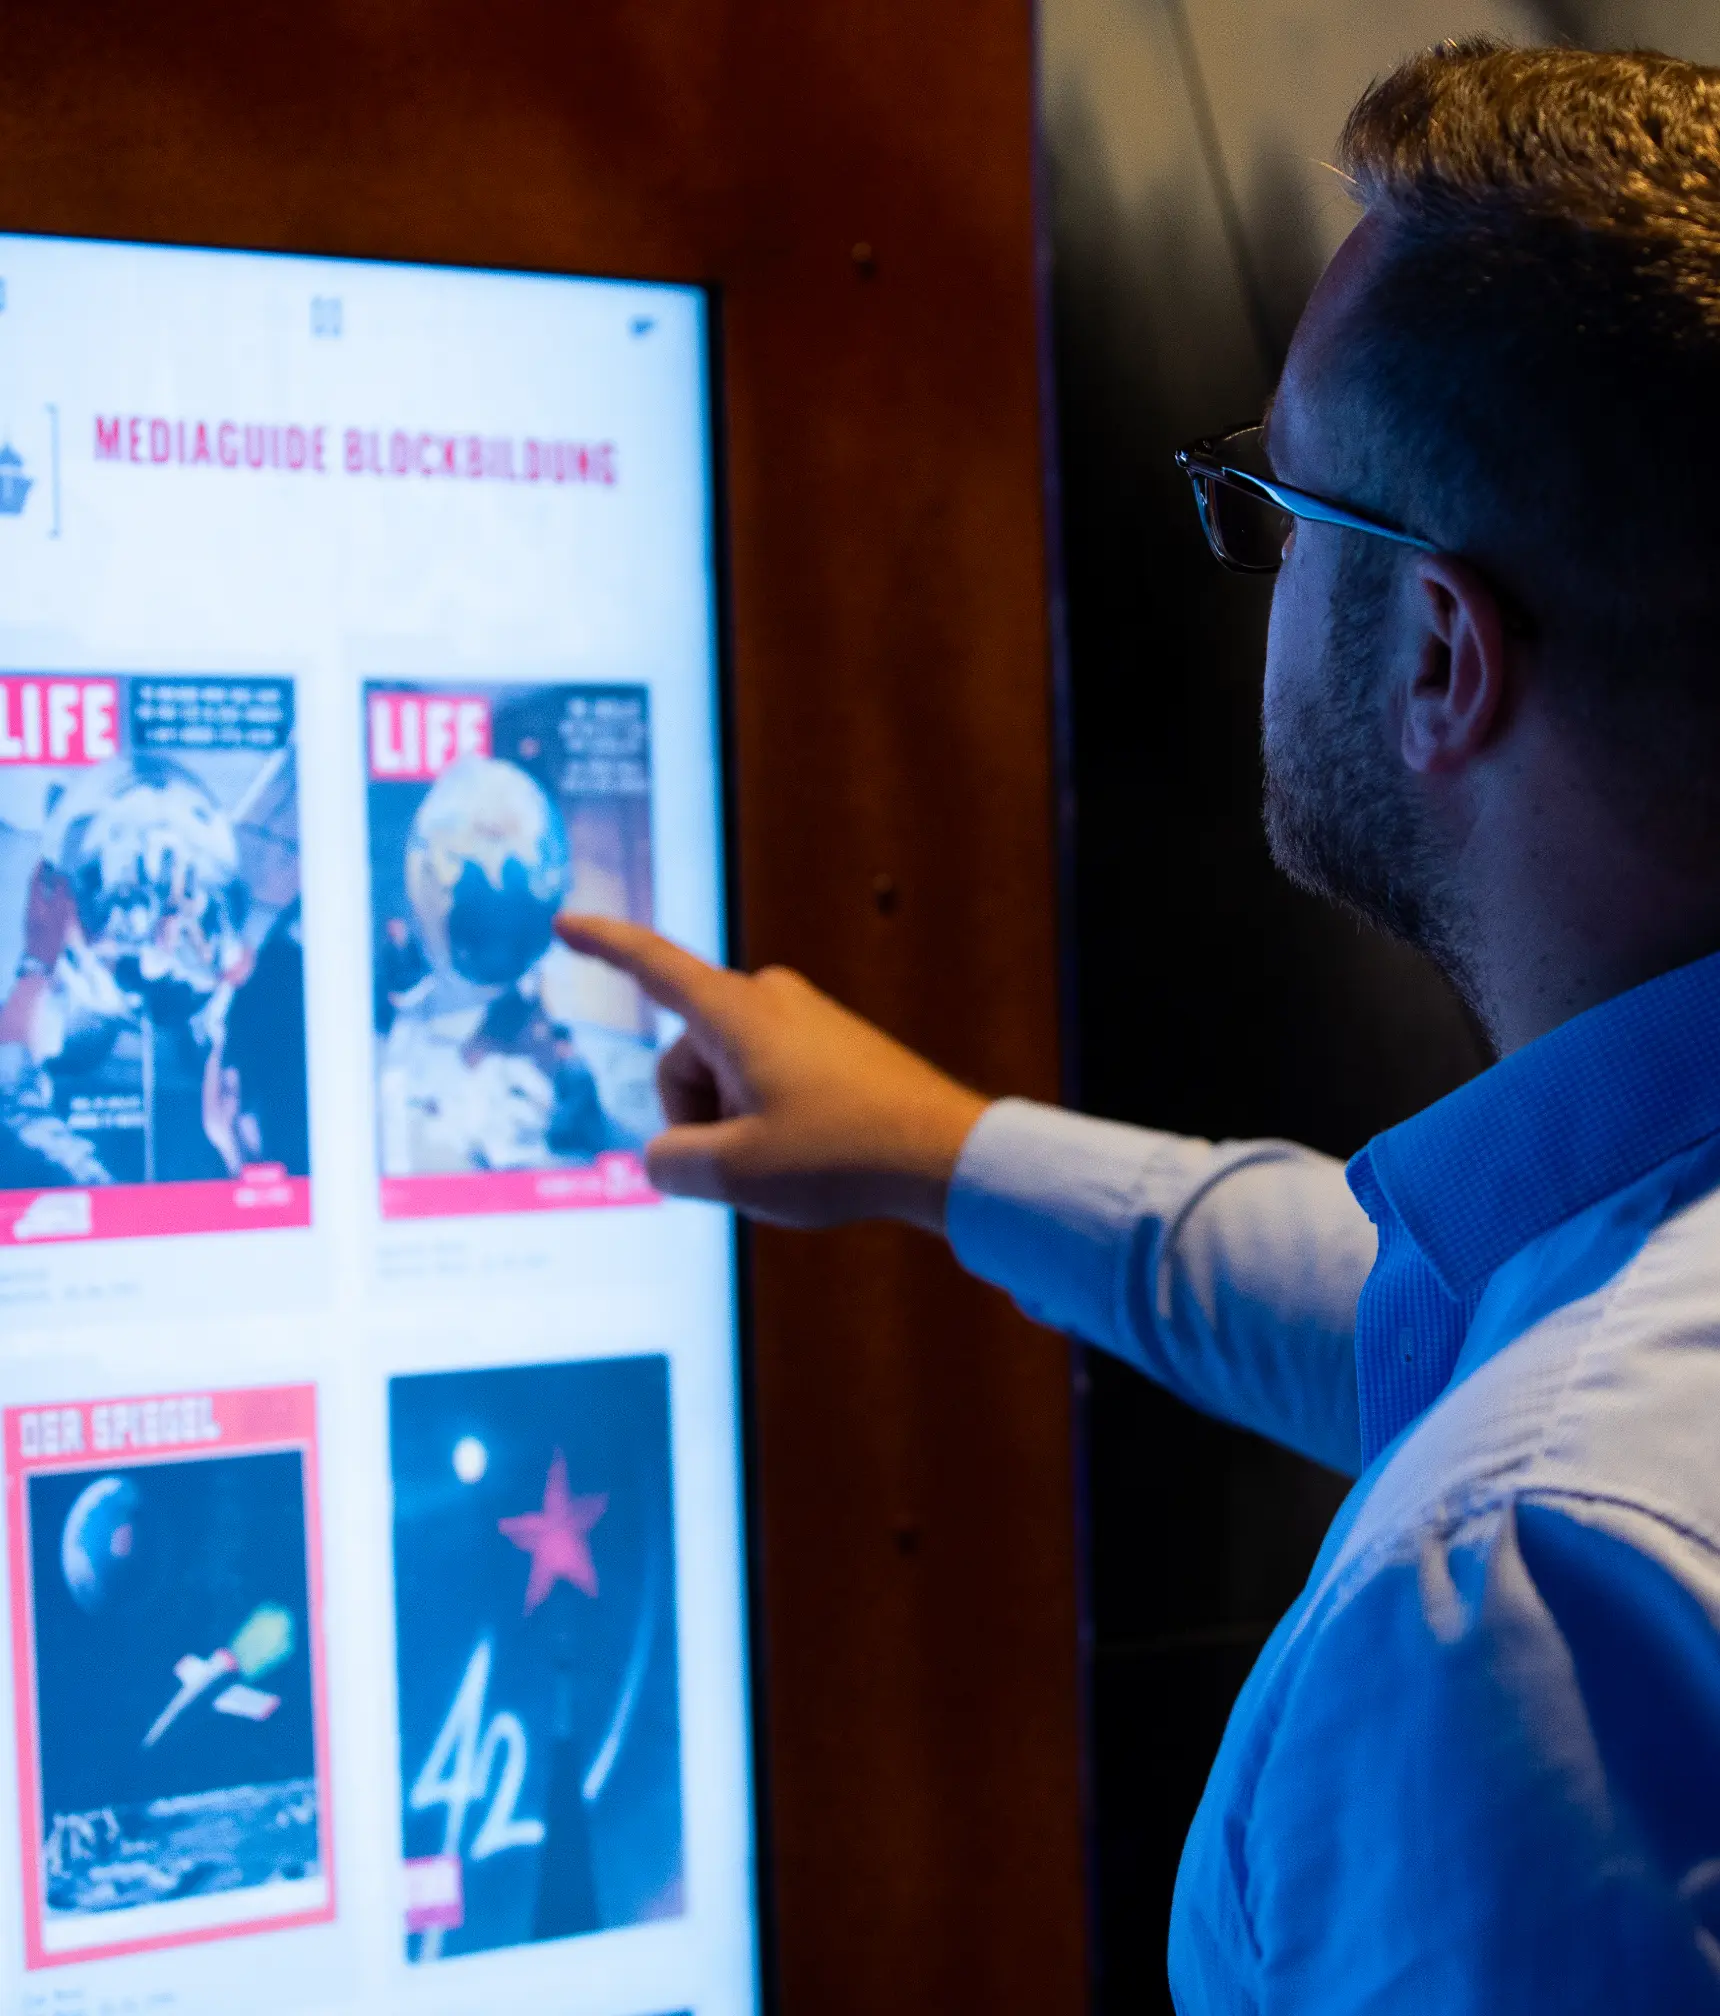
540, 1745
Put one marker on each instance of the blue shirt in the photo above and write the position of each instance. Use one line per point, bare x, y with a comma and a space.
1477, 1766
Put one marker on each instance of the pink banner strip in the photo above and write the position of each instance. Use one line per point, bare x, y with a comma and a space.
263, 1198
612, 1179
435, 1894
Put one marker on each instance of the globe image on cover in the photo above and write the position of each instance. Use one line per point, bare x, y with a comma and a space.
152, 1043
534, 1572
486, 866
510, 1074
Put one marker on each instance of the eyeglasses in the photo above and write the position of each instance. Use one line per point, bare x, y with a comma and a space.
1248, 518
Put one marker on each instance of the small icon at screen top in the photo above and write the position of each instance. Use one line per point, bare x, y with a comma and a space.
325, 315
641, 325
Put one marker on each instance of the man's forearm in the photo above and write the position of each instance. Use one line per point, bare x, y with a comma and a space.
1228, 1273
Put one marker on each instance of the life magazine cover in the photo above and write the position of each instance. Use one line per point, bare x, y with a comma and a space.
168, 1669
510, 1075
152, 1026
534, 1573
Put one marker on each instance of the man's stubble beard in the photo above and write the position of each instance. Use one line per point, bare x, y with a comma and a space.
1342, 819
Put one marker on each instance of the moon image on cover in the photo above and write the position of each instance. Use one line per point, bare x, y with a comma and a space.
98, 1548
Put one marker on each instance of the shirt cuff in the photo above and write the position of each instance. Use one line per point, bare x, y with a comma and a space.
1047, 1205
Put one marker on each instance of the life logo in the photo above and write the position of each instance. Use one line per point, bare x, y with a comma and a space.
30, 472
415, 736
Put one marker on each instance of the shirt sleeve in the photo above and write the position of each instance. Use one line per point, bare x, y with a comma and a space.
1495, 1787
1228, 1273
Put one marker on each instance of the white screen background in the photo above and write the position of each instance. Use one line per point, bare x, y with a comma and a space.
333, 579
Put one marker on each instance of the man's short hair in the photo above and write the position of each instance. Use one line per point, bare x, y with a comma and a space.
1535, 372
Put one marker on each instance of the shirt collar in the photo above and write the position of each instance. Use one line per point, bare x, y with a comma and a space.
1579, 1113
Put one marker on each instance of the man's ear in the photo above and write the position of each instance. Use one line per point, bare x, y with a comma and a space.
1458, 693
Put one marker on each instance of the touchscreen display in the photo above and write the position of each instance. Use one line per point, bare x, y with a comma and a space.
374, 1552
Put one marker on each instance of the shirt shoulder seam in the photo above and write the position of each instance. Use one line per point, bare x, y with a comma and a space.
1444, 1520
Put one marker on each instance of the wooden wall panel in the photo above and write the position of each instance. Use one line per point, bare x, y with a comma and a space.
857, 180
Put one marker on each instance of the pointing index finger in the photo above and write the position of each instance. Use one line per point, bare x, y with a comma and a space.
674, 978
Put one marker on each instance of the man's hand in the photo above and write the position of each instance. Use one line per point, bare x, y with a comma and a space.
779, 1101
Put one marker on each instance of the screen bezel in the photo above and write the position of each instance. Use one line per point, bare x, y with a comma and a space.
730, 937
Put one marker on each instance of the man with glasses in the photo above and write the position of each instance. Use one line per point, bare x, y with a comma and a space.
1477, 1767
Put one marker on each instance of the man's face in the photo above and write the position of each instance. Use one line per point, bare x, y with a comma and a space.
1343, 817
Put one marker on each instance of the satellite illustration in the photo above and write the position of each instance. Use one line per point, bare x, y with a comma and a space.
167, 1647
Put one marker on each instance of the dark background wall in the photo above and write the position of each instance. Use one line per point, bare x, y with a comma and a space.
1189, 216
858, 183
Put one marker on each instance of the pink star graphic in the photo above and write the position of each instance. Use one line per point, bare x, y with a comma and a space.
555, 1537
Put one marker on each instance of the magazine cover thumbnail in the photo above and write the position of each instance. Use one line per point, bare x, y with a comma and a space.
152, 1024
168, 1670
510, 1075
540, 1749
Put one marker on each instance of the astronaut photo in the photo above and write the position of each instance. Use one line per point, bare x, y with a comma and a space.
117, 1064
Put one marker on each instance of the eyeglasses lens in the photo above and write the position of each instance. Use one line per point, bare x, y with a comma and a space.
1246, 531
